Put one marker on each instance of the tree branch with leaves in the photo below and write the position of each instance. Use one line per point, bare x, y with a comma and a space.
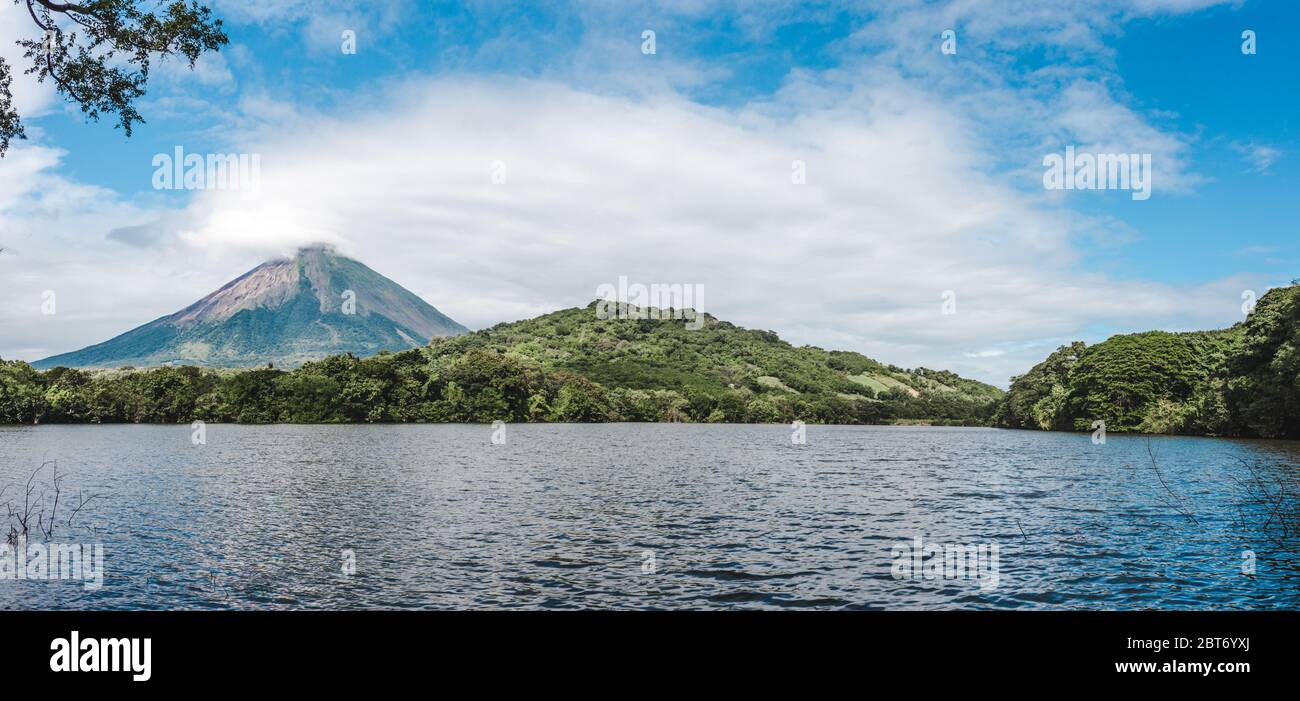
98, 53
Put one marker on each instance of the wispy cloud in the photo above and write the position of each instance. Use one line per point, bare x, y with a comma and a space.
1259, 157
320, 23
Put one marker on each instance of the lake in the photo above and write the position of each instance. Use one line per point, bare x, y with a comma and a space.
659, 516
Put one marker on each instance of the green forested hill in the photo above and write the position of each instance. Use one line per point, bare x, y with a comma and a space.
718, 357
564, 366
1240, 381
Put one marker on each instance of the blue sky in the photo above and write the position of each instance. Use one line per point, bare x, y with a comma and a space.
925, 169
1230, 100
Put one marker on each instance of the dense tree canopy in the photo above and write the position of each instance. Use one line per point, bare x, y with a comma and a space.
1241, 381
1036, 397
1263, 388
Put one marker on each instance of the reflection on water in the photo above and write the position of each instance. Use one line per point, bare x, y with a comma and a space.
658, 516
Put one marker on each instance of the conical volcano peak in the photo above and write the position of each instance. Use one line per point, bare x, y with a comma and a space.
284, 311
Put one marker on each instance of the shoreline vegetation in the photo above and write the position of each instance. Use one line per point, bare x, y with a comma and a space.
570, 366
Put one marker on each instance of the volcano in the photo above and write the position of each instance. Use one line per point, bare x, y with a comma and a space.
285, 312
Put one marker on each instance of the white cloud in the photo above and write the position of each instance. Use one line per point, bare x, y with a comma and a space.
210, 70
1025, 109
1260, 157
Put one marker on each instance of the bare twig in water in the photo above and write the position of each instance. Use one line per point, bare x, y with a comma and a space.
1174, 501
24, 517
1022, 531
20, 525
1273, 497
56, 483
82, 501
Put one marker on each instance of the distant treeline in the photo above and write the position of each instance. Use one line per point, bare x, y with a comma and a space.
1241, 381
479, 386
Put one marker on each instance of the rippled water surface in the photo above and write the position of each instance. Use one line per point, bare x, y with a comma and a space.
566, 516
